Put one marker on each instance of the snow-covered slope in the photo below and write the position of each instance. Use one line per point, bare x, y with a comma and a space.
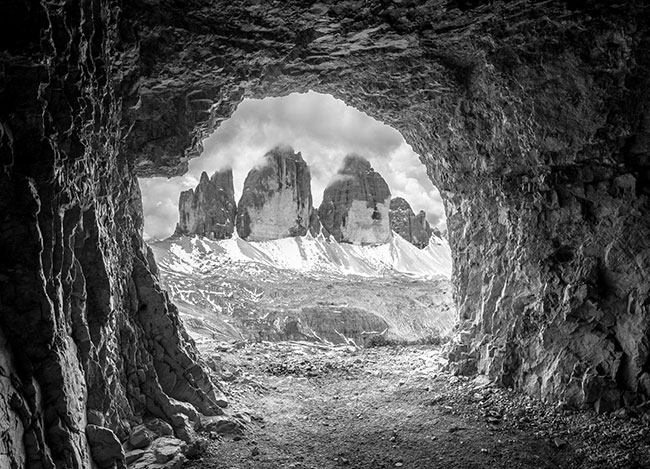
309, 255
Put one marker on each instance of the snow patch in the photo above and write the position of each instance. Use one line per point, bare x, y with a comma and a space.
306, 254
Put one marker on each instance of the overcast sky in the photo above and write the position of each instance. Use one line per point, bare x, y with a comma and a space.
322, 128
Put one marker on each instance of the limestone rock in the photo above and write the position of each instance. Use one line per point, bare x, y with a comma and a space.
209, 209
105, 448
221, 425
413, 228
134, 455
140, 437
276, 200
166, 448
355, 207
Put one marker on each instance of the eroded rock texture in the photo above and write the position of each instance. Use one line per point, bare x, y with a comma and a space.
276, 198
89, 343
209, 209
533, 118
413, 228
355, 204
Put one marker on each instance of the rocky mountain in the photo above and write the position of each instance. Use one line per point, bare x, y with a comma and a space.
209, 209
356, 204
403, 221
276, 199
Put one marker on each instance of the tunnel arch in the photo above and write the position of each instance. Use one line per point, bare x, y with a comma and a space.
531, 118
505, 132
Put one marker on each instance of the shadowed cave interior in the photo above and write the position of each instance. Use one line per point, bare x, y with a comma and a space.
530, 117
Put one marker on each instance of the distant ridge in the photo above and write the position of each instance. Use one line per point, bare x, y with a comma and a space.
308, 255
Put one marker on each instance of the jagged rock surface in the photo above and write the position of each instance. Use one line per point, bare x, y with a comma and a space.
533, 119
413, 228
89, 342
276, 199
355, 204
209, 209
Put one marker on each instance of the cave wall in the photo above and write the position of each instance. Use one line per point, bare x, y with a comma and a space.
89, 342
531, 117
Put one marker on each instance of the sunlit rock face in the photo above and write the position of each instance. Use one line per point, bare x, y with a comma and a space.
209, 209
413, 228
276, 199
532, 118
355, 204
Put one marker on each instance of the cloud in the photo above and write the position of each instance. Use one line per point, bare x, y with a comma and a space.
322, 128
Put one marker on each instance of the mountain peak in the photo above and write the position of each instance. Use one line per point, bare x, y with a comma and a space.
353, 164
413, 228
276, 200
209, 209
355, 207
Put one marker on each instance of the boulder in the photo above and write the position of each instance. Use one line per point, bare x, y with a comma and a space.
105, 448
140, 437
221, 425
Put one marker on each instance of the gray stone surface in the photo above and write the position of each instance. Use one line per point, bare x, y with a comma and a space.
209, 209
276, 199
355, 204
413, 228
536, 130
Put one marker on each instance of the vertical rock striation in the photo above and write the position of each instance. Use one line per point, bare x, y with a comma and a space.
209, 209
89, 342
413, 228
276, 199
355, 204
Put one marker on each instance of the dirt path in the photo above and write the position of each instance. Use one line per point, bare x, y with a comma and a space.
393, 407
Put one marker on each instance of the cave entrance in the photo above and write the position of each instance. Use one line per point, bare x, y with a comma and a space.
306, 220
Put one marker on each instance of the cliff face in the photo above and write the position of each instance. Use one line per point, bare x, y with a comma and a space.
209, 209
533, 119
90, 346
355, 204
276, 199
413, 228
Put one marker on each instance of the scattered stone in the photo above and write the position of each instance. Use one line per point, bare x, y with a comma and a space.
183, 427
221, 425
559, 442
134, 455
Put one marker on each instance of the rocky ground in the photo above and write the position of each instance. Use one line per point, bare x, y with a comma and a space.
318, 406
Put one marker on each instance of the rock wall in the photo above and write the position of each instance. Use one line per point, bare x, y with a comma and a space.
413, 228
276, 198
89, 343
355, 204
531, 117
209, 209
